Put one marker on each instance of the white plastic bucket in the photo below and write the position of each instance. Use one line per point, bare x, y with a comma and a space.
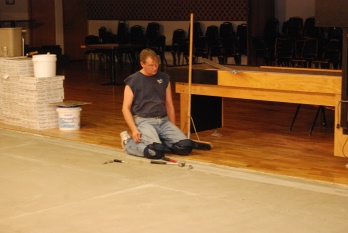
69, 118
44, 65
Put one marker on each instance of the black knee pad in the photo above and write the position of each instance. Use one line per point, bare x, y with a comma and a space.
183, 147
154, 151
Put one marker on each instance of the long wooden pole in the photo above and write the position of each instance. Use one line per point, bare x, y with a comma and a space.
190, 77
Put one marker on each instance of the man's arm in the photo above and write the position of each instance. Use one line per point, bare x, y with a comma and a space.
169, 104
127, 113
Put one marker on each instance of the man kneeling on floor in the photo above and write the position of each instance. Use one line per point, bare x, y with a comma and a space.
149, 112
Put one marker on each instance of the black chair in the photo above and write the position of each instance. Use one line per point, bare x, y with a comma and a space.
178, 39
106, 36
242, 39
335, 33
91, 39
283, 51
94, 54
271, 32
137, 35
122, 38
156, 41
122, 32
310, 30
331, 56
305, 52
102, 33
228, 43
320, 111
226, 30
138, 40
199, 46
197, 31
293, 28
213, 42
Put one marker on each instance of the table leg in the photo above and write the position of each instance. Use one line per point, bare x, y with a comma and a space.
113, 71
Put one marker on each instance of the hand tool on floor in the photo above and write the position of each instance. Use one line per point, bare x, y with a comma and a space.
180, 164
115, 161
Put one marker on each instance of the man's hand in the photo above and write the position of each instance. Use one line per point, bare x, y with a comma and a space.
136, 136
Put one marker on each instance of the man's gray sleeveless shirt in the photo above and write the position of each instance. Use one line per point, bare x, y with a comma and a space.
149, 94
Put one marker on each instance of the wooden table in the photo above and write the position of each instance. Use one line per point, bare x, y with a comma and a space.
112, 48
289, 85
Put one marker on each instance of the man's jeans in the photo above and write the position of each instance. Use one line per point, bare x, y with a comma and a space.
159, 130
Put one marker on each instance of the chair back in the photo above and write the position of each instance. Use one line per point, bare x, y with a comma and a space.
178, 36
242, 38
91, 39
122, 32
335, 33
294, 28
212, 35
137, 35
271, 32
197, 32
152, 34
226, 30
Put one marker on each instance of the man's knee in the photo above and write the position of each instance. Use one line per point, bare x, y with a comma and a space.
183, 147
154, 151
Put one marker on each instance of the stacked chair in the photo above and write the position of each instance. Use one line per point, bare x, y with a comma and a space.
242, 38
156, 41
302, 44
199, 43
95, 54
178, 40
217, 41
271, 32
138, 39
228, 43
122, 38
213, 42
200, 47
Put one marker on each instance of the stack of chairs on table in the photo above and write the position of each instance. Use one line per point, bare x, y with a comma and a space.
95, 54
217, 41
302, 44
105, 36
136, 36
150, 38
267, 44
181, 44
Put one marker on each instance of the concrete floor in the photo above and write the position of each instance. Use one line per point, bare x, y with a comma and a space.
50, 185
